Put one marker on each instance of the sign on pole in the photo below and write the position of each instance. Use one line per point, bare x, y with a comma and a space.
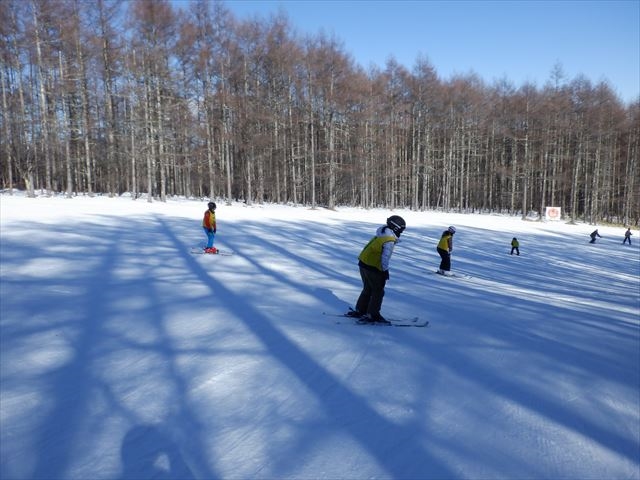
553, 213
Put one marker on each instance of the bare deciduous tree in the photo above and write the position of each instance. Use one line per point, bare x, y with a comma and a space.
194, 102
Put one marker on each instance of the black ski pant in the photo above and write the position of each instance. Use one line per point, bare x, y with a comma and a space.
370, 299
517, 250
625, 240
445, 263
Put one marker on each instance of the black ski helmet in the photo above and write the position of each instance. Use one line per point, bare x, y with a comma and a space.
211, 205
397, 224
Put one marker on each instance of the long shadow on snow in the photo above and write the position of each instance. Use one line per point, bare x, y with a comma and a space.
71, 389
546, 275
558, 332
535, 391
304, 368
303, 236
558, 352
495, 303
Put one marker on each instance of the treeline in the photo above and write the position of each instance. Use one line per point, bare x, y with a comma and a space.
106, 96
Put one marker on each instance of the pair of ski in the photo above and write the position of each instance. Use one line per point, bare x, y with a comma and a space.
345, 318
452, 275
200, 251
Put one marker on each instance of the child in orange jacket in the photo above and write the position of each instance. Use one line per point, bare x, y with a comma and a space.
209, 226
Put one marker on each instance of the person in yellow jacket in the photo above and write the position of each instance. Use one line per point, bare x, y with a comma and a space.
209, 227
445, 247
373, 262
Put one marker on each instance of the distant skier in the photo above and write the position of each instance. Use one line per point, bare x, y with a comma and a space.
593, 236
209, 226
515, 246
444, 248
627, 236
373, 262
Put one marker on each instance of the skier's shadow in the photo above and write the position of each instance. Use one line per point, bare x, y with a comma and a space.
148, 452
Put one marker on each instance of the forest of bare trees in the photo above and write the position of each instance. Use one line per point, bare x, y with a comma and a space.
138, 97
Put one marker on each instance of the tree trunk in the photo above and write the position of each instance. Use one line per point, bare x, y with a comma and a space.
66, 127
44, 111
7, 135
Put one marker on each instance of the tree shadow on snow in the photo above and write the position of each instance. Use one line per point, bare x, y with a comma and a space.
84, 298
104, 315
375, 434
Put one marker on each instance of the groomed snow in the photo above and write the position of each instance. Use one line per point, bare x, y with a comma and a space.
123, 356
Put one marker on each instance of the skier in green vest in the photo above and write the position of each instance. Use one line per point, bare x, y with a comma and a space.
515, 246
373, 262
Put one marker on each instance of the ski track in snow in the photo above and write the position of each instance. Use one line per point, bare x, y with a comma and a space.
125, 356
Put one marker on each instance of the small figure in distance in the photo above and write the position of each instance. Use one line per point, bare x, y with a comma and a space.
515, 246
593, 236
627, 236
444, 248
209, 227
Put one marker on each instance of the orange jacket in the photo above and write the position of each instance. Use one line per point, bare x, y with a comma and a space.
209, 220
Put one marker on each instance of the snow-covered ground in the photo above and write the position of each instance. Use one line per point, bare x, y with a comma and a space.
123, 356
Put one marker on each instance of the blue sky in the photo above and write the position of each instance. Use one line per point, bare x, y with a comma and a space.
517, 40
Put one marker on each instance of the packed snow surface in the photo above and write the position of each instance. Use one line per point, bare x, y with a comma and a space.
124, 356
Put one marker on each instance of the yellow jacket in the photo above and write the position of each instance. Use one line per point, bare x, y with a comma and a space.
378, 251
446, 241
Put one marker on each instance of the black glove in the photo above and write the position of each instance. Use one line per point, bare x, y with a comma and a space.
386, 274
214, 230
211, 230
